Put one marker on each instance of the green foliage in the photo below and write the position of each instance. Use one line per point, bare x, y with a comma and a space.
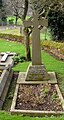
45, 35
56, 20
53, 45
19, 22
11, 21
45, 90
18, 59
1, 4
11, 37
54, 11
54, 96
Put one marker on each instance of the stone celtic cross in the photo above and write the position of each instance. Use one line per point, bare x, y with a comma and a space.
36, 22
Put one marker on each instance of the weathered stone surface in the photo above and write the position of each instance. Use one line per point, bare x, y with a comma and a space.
5, 80
21, 79
6, 58
35, 23
36, 72
6, 63
3, 59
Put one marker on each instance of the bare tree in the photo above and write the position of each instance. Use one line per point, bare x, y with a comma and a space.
2, 13
15, 7
26, 31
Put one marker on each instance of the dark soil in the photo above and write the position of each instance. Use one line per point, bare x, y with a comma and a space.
38, 97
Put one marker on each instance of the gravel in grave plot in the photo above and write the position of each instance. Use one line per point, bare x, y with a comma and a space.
38, 97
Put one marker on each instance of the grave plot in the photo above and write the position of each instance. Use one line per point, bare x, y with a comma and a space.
6, 73
37, 98
37, 92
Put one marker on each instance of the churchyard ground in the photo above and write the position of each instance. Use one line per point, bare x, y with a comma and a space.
46, 58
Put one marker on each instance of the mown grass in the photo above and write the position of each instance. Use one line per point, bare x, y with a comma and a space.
12, 47
7, 116
51, 65
45, 35
15, 31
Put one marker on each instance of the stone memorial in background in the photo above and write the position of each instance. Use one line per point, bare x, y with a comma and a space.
37, 70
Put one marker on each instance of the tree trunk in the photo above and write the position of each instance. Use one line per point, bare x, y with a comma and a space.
16, 20
26, 32
24, 15
25, 9
27, 43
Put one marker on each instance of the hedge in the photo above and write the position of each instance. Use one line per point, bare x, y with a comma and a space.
12, 37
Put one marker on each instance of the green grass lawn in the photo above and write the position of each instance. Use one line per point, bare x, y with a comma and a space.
12, 46
6, 116
51, 65
15, 31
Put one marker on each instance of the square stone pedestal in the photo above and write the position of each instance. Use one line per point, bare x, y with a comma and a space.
36, 73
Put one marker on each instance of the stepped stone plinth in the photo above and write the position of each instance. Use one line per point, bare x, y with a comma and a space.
36, 73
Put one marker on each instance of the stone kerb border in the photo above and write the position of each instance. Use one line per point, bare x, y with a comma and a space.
36, 112
5, 80
6, 64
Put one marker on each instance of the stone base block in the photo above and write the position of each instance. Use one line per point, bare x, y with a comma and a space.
36, 73
21, 79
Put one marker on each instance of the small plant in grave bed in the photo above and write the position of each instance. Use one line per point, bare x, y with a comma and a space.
18, 59
45, 90
10, 96
54, 96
